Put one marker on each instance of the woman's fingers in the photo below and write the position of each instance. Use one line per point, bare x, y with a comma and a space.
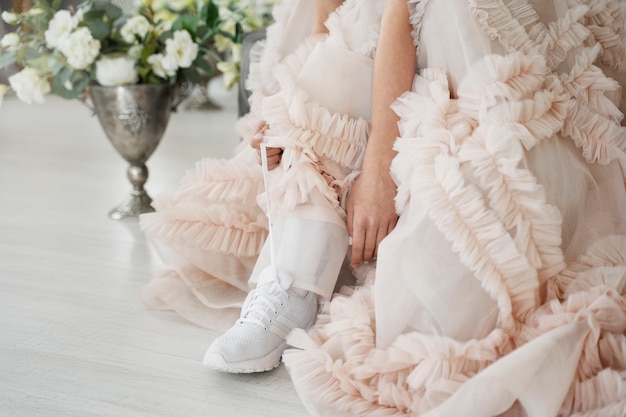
365, 242
258, 136
274, 160
274, 155
371, 214
255, 142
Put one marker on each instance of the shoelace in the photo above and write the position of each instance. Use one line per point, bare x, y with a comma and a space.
261, 306
266, 184
262, 303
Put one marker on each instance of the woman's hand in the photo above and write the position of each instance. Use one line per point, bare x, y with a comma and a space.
274, 155
371, 211
370, 206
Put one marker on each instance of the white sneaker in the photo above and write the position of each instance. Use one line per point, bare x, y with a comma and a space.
257, 340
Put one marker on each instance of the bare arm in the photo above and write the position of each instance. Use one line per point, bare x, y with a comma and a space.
371, 211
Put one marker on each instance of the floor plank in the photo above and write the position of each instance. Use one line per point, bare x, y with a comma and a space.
74, 338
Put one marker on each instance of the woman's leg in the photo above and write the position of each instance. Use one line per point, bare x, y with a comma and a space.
311, 242
309, 253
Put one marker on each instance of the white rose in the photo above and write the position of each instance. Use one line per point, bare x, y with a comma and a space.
134, 52
3, 90
181, 48
135, 26
80, 48
10, 41
162, 66
116, 71
60, 28
29, 86
10, 18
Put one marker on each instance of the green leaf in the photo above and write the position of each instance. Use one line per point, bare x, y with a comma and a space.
112, 11
39, 62
203, 64
30, 54
238, 33
7, 59
93, 15
191, 75
211, 14
202, 32
43, 4
212, 54
79, 80
99, 29
186, 22
100, 4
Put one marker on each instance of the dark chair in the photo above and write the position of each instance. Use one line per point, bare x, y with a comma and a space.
249, 39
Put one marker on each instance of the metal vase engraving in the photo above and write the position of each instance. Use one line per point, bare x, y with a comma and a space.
134, 119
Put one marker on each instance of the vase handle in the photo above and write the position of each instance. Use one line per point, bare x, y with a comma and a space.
181, 92
84, 98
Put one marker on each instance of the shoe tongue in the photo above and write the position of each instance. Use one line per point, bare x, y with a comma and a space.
270, 285
270, 275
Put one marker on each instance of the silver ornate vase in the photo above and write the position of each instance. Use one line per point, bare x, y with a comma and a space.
134, 119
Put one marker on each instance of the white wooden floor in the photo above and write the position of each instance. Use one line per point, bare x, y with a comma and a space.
75, 339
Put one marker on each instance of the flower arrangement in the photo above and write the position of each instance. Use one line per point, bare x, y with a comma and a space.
63, 51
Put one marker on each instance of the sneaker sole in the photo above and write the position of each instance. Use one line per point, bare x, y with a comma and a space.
266, 363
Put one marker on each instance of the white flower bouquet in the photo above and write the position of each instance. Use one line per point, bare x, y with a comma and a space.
164, 41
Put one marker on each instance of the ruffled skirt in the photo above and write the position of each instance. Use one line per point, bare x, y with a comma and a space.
502, 288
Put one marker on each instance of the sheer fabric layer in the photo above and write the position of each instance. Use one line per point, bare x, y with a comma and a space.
212, 228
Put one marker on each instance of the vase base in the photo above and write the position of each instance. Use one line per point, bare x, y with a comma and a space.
136, 203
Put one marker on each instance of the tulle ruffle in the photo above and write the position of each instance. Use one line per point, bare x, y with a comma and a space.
465, 160
213, 210
515, 219
605, 21
350, 15
416, 13
266, 54
338, 365
320, 146
593, 121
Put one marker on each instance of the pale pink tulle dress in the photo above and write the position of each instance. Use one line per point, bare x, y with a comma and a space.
503, 285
